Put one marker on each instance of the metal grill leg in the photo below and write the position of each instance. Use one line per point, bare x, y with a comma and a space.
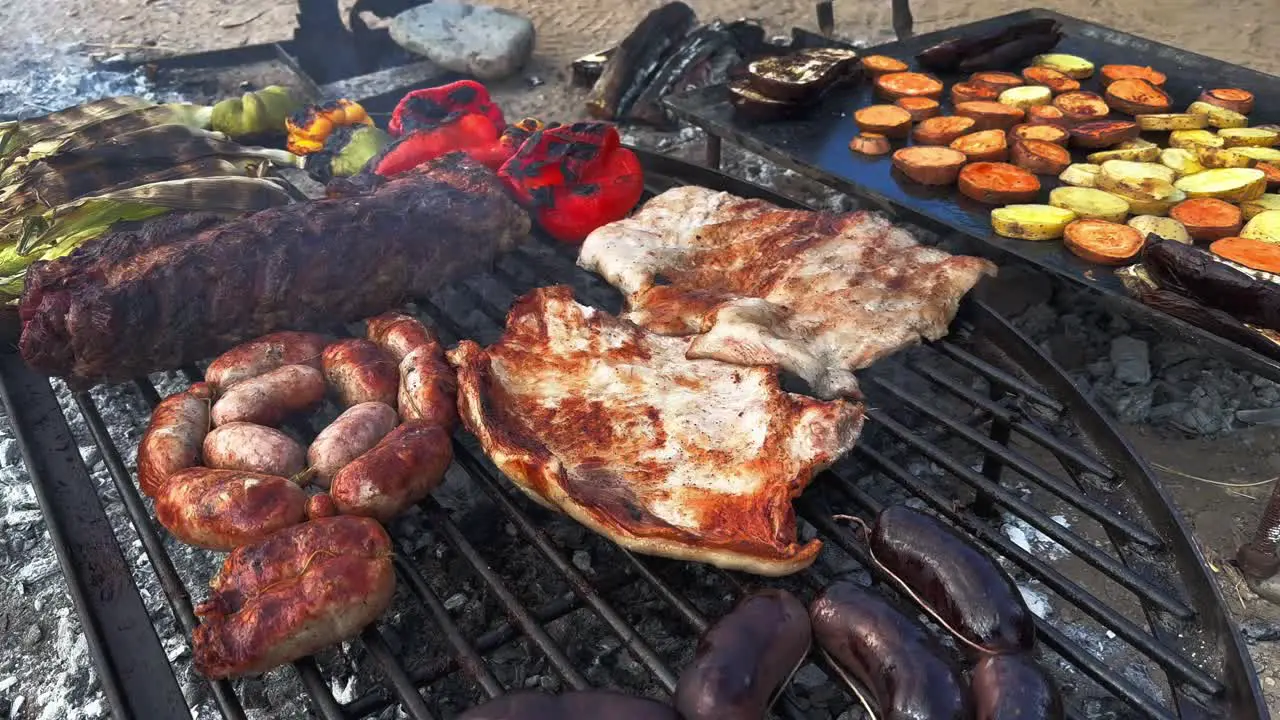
1257, 558
713, 152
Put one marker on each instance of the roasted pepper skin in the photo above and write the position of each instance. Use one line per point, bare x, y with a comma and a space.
431, 108
574, 178
309, 127
432, 122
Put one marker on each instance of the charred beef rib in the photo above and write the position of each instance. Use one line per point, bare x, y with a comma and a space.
184, 290
818, 294
611, 424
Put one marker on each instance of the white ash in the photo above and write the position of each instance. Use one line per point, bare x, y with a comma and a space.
1032, 540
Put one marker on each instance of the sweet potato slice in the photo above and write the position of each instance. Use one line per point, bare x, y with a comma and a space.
1112, 73
991, 115
888, 120
1272, 172
1001, 81
1046, 115
1255, 254
921, 108
942, 130
1103, 133
1050, 78
1082, 107
1137, 97
1047, 133
929, 165
968, 92
1235, 99
1102, 242
1040, 157
870, 144
983, 146
877, 65
998, 183
909, 84
1208, 219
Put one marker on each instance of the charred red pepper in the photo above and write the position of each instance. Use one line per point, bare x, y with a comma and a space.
435, 121
575, 178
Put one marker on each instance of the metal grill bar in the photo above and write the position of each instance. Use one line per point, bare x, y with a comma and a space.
997, 376
410, 700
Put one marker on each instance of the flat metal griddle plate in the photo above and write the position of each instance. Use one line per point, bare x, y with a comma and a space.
817, 146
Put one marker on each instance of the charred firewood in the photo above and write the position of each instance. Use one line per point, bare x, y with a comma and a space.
628, 72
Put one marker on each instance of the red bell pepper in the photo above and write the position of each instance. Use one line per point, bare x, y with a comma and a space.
436, 121
575, 178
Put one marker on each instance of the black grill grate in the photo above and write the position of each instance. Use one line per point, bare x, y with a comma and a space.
977, 428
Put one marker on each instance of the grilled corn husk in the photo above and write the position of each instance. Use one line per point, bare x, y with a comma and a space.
60, 230
84, 125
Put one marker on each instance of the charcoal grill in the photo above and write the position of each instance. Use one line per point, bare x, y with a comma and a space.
979, 428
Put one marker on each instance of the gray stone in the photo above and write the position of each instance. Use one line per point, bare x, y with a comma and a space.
582, 560
33, 635
486, 42
1132, 360
1128, 405
10, 454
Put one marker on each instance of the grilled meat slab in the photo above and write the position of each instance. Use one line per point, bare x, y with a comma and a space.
818, 294
611, 424
185, 289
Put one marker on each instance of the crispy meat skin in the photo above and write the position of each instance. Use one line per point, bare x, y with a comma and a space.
127, 305
690, 459
302, 589
818, 294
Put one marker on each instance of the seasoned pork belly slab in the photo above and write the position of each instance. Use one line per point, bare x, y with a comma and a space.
818, 294
613, 425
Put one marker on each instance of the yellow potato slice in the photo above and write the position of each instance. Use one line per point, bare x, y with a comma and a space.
1261, 154
1136, 150
1267, 201
1031, 222
1158, 207
1137, 188
1072, 66
1223, 158
1165, 227
1192, 139
1090, 203
1264, 226
1182, 161
1026, 96
1217, 116
1230, 184
1249, 137
1164, 122
1138, 170
1081, 175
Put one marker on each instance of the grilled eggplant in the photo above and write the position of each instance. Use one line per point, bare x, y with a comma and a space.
751, 104
803, 76
628, 71
948, 56
1194, 274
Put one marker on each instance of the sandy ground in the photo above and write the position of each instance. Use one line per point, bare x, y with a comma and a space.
1222, 514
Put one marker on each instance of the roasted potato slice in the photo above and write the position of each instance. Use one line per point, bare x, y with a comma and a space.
929, 165
983, 146
888, 120
1103, 242
1208, 219
877, 65
1026, 96
1112, 73
1082, 107
1192, 139
1073, 66
1272, 172
1050, 78
908, 84
1165, 122
1165, 227
1040, 156
1249, 137
870, 144
1230, 184
1223, 158
1144, 206
1219, 117
963, 92
942, 130
1267, 201
1048, 133
1240, 101
1137, 150
1081, 175
1001, 81
1103, 133
1264, 226
1046, 115
998, 183
1181, 160
991, 115
1128, 169
920, 108
1137, 97
1031, 222
1090, 203
1261, 154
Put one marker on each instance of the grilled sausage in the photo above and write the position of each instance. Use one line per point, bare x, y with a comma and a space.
287, 596
428, 388
224, 509
890, 655
348, 437
271, 397
398, 472
174, 436
578, 705
320, 506
360, 371
263, 355
961, 584
400, 334
744, 657
1014, 687
253, 448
